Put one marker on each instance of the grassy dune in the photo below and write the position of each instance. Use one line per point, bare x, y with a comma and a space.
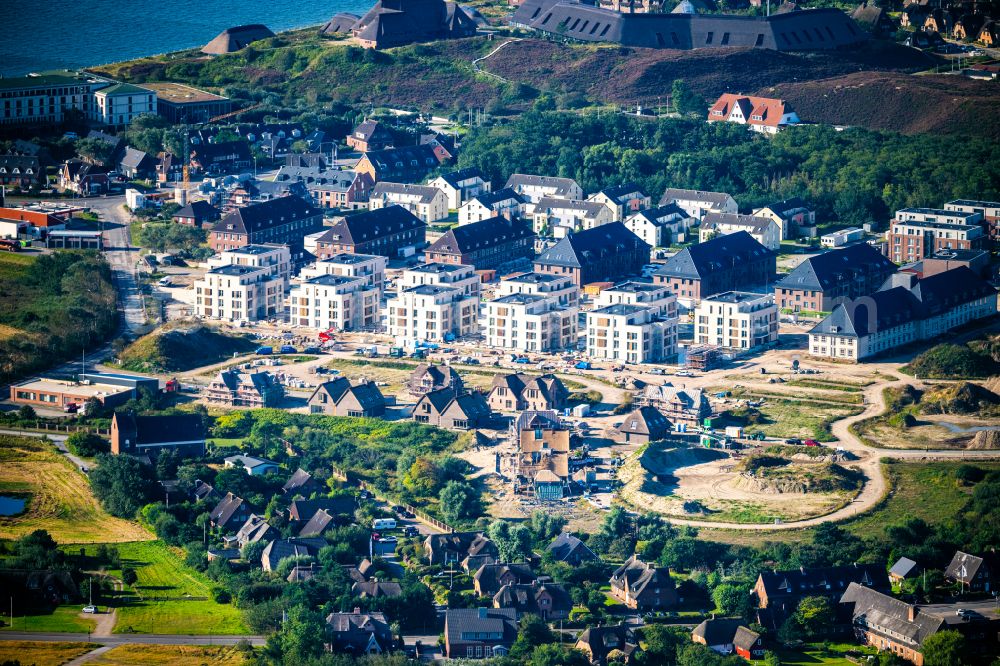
59, 497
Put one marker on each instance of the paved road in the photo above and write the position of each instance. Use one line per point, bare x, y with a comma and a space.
123, 258
58, 439
128, 639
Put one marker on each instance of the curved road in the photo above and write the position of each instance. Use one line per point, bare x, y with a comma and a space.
875, 487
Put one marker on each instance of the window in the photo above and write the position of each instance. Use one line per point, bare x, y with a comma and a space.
725, 38
760, 39
709, 37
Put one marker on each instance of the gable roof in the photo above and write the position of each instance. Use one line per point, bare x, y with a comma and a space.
662, 215
426, 193
460, 622
602, 640
702, 259
279, 549
265, 215
224, 511
647, 421
481, 235
489, 199
299, 479
404, 161
965, 567
587, 208
871, 314
135, 159
353, 633
455, 178
620, 193
199, 210
209, 152
566, 545
717, 631
768, 110
489, 575
592, 245
255, 529
639, 575
371, 225
903, 567
524, 597
823, 580
750, 222
165, 429
561, 187
320, 521
831, 269
371, 589
886, 615
304, 509
673, 194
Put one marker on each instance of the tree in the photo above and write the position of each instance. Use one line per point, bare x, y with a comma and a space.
683, 100
129, 576
661, 644
814, 616
87, 444
553, 654
732, 598
513, 542
459, 500
532, 632
945, 648
300, 639
26, 413
94, 149
121, 483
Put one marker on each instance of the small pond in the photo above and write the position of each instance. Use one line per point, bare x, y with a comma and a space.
962, 430
11, 506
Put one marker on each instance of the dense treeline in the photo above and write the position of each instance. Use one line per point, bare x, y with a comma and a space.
853, 175
51, 308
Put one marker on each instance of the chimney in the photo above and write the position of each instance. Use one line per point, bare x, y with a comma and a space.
911, 613
357, 610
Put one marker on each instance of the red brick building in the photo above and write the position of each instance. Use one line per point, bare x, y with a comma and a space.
383, 232
486, 245
286, 220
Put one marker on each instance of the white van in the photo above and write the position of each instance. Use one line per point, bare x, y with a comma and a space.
384, 524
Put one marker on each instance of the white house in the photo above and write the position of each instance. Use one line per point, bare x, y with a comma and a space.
244, 284
120, 103
461, 186
662, 226
500, 203
736, 320
430, 204
764, 230
698, 203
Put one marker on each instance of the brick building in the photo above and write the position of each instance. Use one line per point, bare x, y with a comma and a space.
816, 283
607, 253
486, 245
727, 263
285, 220
383, 232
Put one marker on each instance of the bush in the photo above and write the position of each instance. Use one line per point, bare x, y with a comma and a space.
221, 595
87, 444
950, 361
969, 474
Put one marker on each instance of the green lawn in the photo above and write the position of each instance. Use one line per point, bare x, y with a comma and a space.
162, 573
814, 654
62, 619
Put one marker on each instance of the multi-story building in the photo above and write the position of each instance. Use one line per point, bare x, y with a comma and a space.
462, 186
221, 157
428, 203
697, 203
795, 218
607, 253
764, 230
233, 388
737, 320
534, 188
435, 303
330, 188
342, 292
386, 232
21, 171
36, 100
554, 217
244, 284
990, 210
623, 200
370, 135
179, 103
906, 310
285, 220
403, 165
916, 233
336, 302
487, 205
661, 226
120, 103
820, 282
486, 245
726, 263
534, 312
633, 322
761, 114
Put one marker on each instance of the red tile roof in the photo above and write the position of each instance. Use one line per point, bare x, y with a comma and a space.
770, 111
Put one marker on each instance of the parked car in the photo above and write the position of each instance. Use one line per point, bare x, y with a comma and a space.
71, 408
90, 609
288, 349
264, 351
795, 441
811, 442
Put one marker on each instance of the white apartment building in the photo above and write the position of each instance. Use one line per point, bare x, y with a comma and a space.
534, 188
764, 230
428, 203
534, 312
736, 320
120, 103
558, 217
955, 215
436, 303
461, 186
342, 293
244, 284
369, 267
662, 226
500, 203
633, 322
698, 203
334, 302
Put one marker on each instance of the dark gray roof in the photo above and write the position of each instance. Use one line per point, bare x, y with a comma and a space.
885, 615
372, 224
481, 235
804, 582
620, 193
792, 31
965, 567
663, 215
785, 207
266, 215
757, 224
718, 631
497, 621
371, 589
489, 199
589, 208
146, 430
562, 186
236, 38
672, 194
299, 479
835, 268
582, 247
425, 192
134, 159
454, 178
301, 510
341, 22
699, 260
566, 545
199, 210
647, 421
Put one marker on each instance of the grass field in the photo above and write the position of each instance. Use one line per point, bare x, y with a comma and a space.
819, 654
60, 500
62, 619
42, 654
183, 605
918, 490
172, 655
802, 419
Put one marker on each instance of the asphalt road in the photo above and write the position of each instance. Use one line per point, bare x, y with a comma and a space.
128, 639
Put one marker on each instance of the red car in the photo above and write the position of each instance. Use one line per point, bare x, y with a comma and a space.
811, 442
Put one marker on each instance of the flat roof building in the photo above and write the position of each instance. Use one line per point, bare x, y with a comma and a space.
179, 103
